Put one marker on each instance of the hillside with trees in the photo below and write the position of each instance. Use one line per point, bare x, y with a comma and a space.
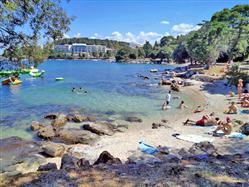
225, 37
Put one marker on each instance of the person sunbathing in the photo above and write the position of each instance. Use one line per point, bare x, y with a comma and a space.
245, 103
205, 121
225, 127
232, 109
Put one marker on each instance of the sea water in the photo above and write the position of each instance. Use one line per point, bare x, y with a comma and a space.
113, 91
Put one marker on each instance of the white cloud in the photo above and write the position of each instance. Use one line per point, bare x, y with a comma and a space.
184, 28
164, 22
139, 38
77, 35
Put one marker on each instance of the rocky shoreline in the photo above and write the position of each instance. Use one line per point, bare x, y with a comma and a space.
201, 165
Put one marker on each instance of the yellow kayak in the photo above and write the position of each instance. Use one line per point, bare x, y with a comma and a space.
16, 82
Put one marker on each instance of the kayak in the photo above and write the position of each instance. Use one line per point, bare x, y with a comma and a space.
36, 74
59, 79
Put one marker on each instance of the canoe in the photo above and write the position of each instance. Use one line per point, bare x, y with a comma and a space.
59, 79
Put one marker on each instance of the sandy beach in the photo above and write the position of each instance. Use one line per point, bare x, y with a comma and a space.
123, 145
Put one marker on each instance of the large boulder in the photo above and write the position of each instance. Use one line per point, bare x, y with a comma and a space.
35, 126
60, 121
46, 132
53, 150
106, 158
77, 118
245, 129
133, 119
99, 128
74, 136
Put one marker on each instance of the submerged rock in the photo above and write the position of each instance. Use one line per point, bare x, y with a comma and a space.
77, 118
53, 149
35, 126
74, 136
46, 132
99, 128
106, 158
51, 116
133, 119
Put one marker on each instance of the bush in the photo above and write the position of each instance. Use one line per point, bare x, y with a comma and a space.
234, 74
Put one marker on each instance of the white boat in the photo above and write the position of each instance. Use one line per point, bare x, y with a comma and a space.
154, 70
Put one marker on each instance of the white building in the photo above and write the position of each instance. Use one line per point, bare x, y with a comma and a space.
63, 48
78, 48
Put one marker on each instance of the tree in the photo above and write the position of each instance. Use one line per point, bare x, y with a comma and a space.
140, 52
147, 47
42, 18
167, 40
234, 74
180, 54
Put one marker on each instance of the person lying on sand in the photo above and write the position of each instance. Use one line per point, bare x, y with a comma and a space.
182, 105
232, 109
205, 121
198, 109
226, 127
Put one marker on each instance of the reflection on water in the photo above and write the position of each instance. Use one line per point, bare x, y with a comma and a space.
112, 90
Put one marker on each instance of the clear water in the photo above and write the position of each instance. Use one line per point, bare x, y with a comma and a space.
114, 91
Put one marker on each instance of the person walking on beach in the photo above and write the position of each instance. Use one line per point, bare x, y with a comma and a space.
168, 98
240, 87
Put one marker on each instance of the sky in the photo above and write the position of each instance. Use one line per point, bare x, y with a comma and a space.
140, 20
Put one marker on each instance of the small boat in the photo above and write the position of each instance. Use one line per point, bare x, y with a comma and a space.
59, 79
11, 81
36, 74
154, 70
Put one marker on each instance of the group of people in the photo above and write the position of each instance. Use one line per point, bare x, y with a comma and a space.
224, 126
79, 91
167, 101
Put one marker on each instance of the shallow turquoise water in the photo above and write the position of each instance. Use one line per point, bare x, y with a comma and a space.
114, 91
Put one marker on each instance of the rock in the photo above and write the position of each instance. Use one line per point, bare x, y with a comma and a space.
48, 167
60, 121
46, 132
53, 149
35, 126
203, 148
77, 118
51, 116
133, 119
106, 158
245, 129
74, 136
15, 150
99, 128
164, 121
91, 118
72, 163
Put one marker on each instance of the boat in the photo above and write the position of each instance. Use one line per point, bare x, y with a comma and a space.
36, 74
154, 70
59, 79
11, 81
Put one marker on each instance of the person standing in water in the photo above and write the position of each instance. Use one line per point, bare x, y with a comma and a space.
168, 98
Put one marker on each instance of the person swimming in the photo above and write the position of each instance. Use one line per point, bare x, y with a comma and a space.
73, 90
182, 105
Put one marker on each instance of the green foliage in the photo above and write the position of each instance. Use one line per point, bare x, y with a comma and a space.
44, 18
234, 74
147, 47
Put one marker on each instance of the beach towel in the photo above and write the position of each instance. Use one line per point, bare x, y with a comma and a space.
194, 138
147, 148
236, 135
244, 111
